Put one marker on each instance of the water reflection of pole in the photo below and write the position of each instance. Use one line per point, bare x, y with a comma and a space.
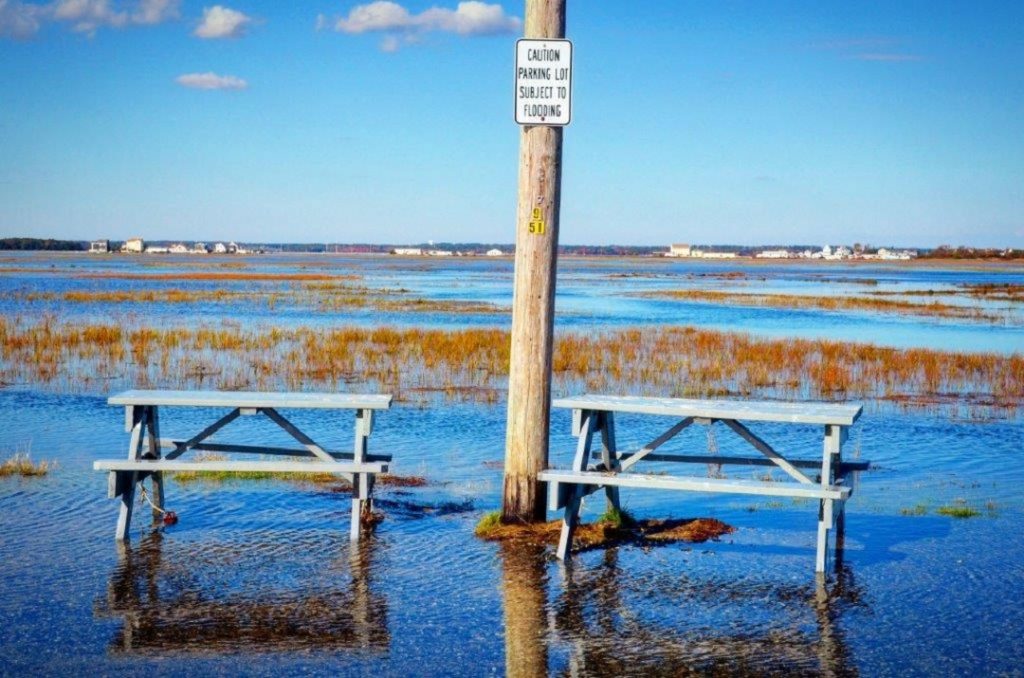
524, 584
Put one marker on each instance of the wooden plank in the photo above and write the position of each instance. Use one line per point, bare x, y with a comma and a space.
608, 459
696, 484
745, 410
647, 449
252, 399
269, 466
294, 432
153, 452
204, 434
579, 462
766, 449
739, 461
262, 449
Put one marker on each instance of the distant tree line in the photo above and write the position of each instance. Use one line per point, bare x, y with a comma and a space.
43, 244
948, 252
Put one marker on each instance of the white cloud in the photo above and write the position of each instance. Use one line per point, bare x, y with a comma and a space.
383, 16
18, 19
85, 16
376, 16
210, 80
21, 20
222, 22
149, 12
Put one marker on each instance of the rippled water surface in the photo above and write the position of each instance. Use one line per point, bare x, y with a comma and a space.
258, 577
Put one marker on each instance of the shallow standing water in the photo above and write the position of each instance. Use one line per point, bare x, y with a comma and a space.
259, 577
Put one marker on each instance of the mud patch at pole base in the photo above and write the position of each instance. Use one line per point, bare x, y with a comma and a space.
603, 534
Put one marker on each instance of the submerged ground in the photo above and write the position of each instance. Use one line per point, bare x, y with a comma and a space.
258, 576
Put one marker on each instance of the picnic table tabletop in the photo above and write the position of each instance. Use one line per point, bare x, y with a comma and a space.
252, 399
837, 414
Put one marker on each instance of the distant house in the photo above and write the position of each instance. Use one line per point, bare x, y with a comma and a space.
774, 254
200, 248
158, 249
179, 248
220, 248
440, 253
495, 253
232, 248
718, 255
134, 245
99, 246
679, 251
407, 251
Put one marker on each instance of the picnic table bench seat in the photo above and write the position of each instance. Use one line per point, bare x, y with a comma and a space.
611, 468
146, 458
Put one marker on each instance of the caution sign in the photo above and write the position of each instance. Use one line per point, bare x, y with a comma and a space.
543, 82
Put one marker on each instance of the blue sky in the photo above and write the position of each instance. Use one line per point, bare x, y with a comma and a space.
705, 122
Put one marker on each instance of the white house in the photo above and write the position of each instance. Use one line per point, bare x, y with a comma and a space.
774, 254
679, 251
134, 245
200, 248
495, 253
178, 248
99, 246
407, 251
220, 248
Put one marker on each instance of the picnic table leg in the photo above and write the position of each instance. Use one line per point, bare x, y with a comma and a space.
362, 487
830, 452
362, 483
608, 458
569, 522
587, 422
159, 496
125, 481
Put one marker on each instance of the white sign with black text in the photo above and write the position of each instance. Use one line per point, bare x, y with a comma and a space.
543, 82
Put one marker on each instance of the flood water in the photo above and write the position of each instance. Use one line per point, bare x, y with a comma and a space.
258, 577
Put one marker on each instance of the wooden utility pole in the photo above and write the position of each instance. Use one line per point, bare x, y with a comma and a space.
533, 305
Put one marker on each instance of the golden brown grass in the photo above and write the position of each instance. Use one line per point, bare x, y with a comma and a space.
218, 276
605, 531
22, 465
334, 295
833, 303
472, 364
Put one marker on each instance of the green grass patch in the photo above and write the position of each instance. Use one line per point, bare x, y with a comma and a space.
958, 510
916, 510
488, 524
617, 518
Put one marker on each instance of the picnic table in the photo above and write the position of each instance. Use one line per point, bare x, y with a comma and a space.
613, 468
145, 448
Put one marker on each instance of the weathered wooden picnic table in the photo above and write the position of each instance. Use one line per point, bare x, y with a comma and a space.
145, 459
594, 414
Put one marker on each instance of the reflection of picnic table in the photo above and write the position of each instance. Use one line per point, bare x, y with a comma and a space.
144, 451
166, 603
594, 414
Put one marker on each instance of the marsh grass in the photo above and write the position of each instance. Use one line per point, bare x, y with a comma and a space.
22, 465
610, 529
833, 303
312, 477
958, 509
471, 365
